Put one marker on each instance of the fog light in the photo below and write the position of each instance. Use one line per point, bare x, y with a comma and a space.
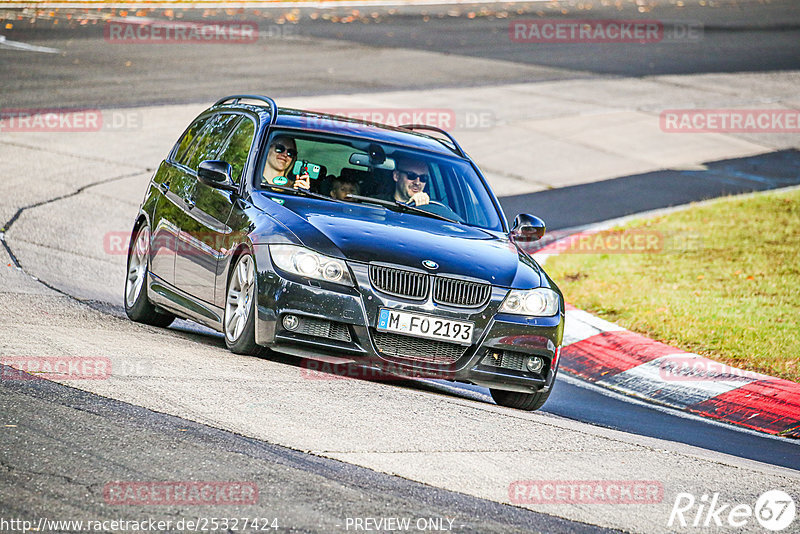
290, 322
534, 364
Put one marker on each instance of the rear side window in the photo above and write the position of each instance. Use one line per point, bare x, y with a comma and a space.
210, 139
238, 148
186, 141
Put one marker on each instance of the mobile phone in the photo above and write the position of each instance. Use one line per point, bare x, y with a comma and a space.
305, 167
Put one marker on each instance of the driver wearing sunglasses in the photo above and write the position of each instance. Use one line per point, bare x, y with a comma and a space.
410, 177
281, 156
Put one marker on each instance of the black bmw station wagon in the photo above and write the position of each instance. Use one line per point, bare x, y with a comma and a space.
326, 237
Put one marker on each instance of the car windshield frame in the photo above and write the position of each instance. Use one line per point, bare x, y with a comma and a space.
476, 205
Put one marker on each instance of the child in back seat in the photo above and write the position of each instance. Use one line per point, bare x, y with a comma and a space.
343, 186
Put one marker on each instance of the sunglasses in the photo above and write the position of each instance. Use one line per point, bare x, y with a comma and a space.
412, 176
280, 149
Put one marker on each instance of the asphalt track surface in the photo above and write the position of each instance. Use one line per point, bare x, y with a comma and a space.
724, 37
586, 204
91, 440
83, 432
359, 56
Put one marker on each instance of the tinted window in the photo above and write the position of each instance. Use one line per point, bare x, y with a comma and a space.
211, 139
183, 146
238, 147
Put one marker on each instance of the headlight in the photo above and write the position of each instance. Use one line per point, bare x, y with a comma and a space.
305, 262
541, 302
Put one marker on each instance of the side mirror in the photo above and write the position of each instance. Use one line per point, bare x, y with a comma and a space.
216, 174
527, 228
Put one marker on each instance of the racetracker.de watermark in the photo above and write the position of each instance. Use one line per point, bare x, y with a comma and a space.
730, 121
116, 243
586, 492
447, 119
68, 120
692, 368
621, 241
180, 32
563, 31
55, 367
180, 493
389, 372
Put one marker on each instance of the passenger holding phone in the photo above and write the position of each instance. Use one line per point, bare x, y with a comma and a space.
281, 156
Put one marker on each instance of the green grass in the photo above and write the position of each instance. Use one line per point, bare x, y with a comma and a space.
726, 284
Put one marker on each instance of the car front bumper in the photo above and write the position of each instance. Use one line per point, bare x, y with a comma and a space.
338, 324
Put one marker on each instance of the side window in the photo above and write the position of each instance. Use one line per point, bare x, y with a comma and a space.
186, 141
238, 148
210, 139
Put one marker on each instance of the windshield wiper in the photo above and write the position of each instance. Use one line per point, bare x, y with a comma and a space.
396, 205
299, 191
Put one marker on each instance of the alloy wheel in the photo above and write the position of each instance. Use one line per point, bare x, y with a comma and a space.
137, 267
240, 295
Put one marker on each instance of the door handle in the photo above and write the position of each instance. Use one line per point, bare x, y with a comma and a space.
164, 186
190, 203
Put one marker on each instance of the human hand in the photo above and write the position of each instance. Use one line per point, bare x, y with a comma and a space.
420, 199
302, 182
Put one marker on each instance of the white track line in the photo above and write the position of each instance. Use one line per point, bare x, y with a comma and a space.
5, 43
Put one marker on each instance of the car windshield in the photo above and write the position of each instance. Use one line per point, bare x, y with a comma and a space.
338, 166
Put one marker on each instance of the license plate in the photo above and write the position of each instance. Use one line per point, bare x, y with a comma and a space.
427, 326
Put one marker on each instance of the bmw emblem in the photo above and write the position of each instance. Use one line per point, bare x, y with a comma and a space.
430, 264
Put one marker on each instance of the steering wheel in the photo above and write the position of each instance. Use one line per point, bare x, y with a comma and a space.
448, 211
413, 203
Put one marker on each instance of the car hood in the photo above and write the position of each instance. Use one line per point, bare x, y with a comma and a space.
366, 233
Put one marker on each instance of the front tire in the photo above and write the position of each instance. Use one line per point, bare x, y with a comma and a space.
137, 306
239, 320
520, 401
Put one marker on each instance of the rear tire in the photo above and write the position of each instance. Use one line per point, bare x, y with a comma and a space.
137, 306
239, 320
520, 401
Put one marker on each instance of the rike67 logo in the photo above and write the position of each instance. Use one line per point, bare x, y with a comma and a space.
774, 510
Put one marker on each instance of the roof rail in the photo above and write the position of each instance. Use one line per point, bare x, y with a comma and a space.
236, 98
452, 139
